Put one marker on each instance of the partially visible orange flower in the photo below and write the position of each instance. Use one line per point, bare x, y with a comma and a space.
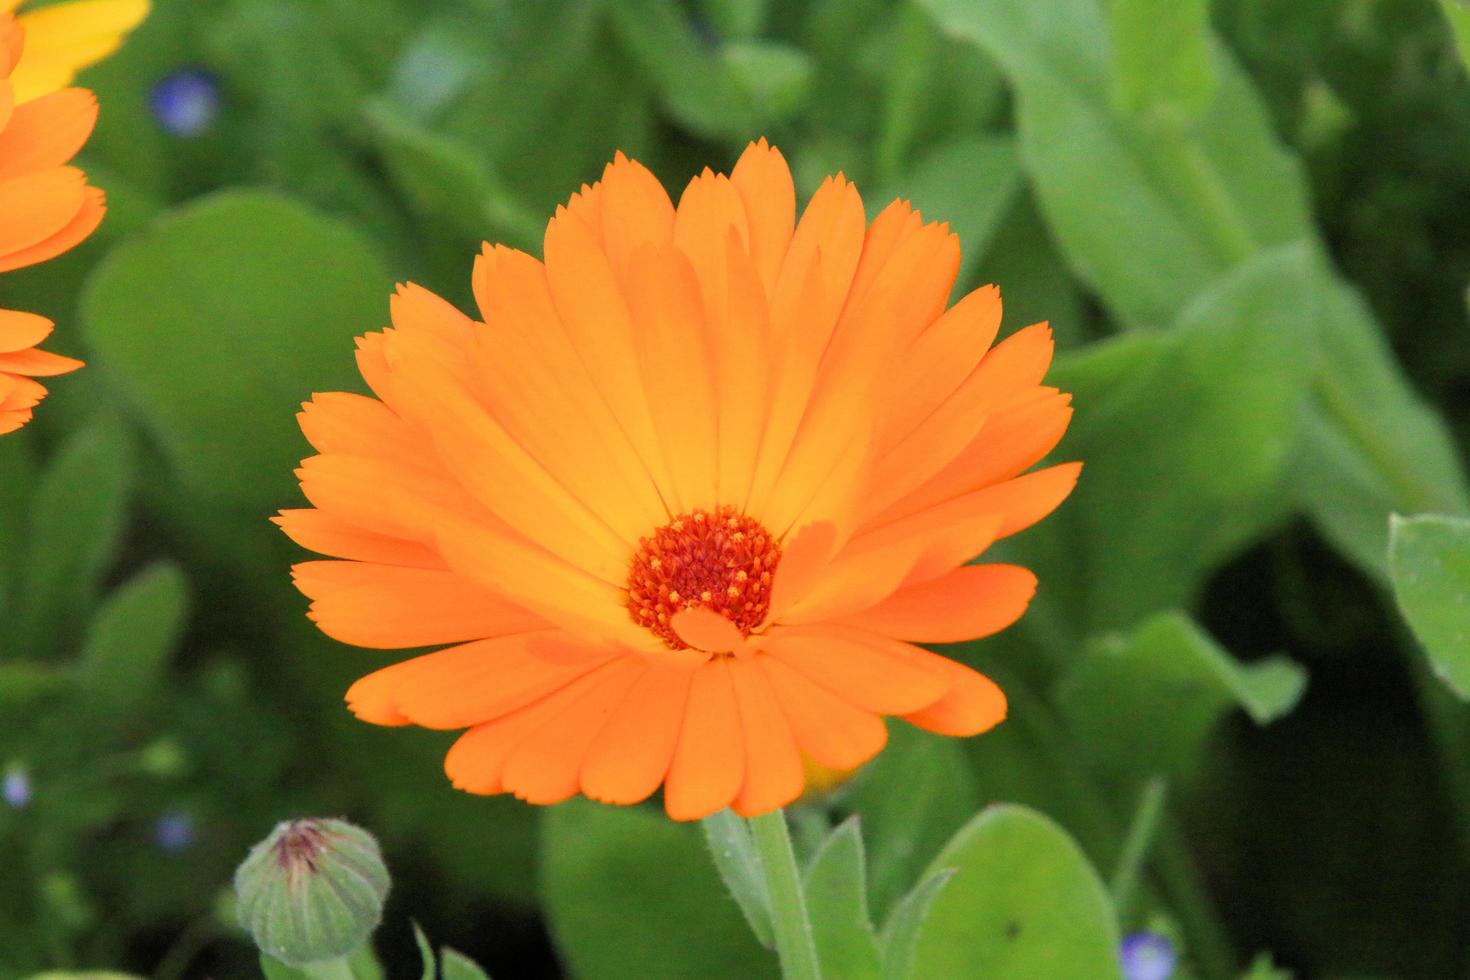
64, 38
687, 497
47, 207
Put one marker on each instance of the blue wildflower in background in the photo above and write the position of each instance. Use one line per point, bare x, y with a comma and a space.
1147, 956
186, 102
16, 787
174, 832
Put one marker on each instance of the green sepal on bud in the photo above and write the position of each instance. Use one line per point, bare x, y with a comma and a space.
312, 891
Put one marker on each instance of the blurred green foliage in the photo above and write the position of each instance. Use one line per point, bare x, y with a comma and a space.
1244, 220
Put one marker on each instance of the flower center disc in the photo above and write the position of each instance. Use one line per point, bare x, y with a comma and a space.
721, 560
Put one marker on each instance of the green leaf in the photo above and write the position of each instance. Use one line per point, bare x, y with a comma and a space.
733, 851
217, 358
132, 636
734, 92
426, 953
454, 965
1024, 903
837, 901
1370, 445
775, 78
274, 969
737, 18
1457, 12
1144, 703
1429, 565
1161, 56
1264, 967
1155, 511
615, 878
901, 931
17, 474
76, 520
444, 182
1177, 209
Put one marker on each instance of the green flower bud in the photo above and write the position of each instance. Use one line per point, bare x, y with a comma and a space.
312, 891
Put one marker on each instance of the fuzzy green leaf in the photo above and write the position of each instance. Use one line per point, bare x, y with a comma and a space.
1429, 564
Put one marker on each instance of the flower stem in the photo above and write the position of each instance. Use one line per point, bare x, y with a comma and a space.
794, 943
1136, 845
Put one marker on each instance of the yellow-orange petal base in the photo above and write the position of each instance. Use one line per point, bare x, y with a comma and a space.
64, 38
681, 502
47, 207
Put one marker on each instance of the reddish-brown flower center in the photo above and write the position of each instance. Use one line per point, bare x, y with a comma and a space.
721, 560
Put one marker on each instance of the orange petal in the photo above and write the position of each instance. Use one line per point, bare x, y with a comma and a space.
874, 565
476, 762
37, 363
940, 358
744, 367
705, 629
636, 212
764, 182
773, 769
538, 389
326, 535
828, 729
46, 132
709, 763
19, 330
1019, 362
544, 768
340, 422
1015, 438
631, 754
974, 703
18, 393
505, 563
382, 495
872, 672
38, 206
810, 291
803, 558
966, 604
389, 607
466, 684
677, 369
590, 303
82, 223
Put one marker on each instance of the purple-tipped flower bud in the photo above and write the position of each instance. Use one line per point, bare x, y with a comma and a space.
312, 891
186, 102
1147, 956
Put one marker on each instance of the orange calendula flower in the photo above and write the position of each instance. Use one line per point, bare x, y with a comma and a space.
47, 208
685, 497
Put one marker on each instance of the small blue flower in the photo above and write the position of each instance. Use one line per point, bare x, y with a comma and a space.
186, 102
17, 788
174, 831
1147, 956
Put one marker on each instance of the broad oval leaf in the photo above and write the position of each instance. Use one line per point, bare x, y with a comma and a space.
1024, 903
256, 310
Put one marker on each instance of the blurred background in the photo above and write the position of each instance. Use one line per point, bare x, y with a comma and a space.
1246, 222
